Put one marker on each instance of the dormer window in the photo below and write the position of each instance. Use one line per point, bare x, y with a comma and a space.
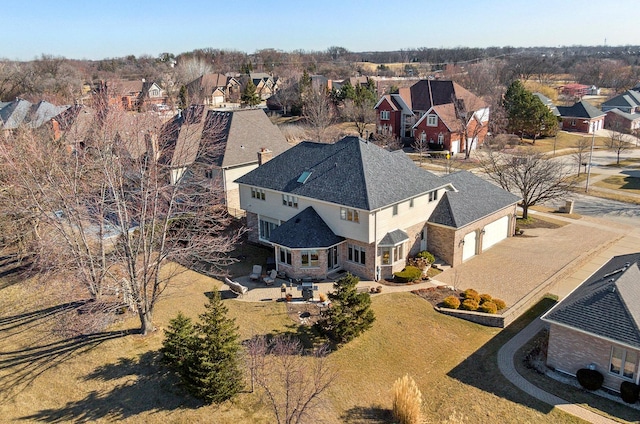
432, 120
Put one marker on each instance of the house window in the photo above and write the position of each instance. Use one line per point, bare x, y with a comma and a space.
356, 254
391, 254
349, 215
432, 120
440, 138
309, 258
623, 362
573, 122
384, 115
291, 201
266, 227
395, 210
155, 92
285, 256
433, 195
257, 193
423, 136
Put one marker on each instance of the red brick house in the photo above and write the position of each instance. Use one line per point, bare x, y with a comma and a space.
581, 117
436, 111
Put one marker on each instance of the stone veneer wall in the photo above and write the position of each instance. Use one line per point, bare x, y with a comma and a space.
252, 227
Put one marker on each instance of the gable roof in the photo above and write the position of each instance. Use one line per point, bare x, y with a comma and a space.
581, 109
425, 94
447, 114
393, 238
239, 135
629, 98
351, 172
20, 111
473, 199
606, 304
306, 230
625, 115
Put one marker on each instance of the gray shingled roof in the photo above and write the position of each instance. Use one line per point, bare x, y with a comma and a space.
394, 237
625, 115
548, 103
629, 98
474, 199
606, 304
351, 172
240, 135
306, 230
581, 109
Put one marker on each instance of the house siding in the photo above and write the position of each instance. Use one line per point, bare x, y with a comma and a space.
431, 133
571, 350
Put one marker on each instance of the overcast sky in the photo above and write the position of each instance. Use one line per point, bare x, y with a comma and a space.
98, 29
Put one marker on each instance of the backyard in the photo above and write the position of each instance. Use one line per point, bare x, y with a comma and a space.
115, 376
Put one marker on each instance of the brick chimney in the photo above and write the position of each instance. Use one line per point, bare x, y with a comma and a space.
264, 156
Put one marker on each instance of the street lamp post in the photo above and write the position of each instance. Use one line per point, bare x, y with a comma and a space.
593, 139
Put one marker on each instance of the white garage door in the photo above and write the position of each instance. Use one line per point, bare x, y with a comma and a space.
495, 232
469, 247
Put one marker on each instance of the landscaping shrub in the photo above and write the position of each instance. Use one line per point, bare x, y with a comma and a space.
451, 302
407, 401
590, 379
469, 305
485, 298
629, 392
488, 307
323, 297
500, 304
426, 255
409, 274
472, 294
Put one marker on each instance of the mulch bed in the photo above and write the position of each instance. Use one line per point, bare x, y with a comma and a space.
435, 295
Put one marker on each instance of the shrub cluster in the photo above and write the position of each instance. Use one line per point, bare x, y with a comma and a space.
426, 255
407, 275
474, 301
629, 392
590, 379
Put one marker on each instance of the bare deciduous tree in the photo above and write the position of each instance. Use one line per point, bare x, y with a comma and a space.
318, 111
105, 210
617, 141
293, 383
581, 152
528, 174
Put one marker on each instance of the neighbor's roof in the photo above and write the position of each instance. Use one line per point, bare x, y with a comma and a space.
606, 304
629, 98
548, 103
240, 134
625, 115
20, 111
581, 109
351, 172
306, 230
427, 93
473, 199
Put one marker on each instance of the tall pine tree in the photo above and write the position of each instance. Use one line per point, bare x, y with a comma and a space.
214, 371
205, 355
350, 313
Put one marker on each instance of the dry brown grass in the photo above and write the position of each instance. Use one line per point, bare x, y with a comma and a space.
115, 376
620, 182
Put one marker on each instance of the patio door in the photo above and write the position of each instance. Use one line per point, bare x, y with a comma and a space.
332, 258
423, 239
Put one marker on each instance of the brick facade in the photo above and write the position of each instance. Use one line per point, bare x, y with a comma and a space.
570, 350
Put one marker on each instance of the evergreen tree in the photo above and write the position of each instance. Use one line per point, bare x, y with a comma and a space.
527, 114
178, 344
205, 355
214, 373
182, 97
350, 313
249, 95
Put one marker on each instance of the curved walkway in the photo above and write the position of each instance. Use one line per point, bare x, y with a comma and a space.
507, 368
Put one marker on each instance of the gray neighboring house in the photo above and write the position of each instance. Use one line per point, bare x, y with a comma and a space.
598, 324
243, 138
357, 207
628, 102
